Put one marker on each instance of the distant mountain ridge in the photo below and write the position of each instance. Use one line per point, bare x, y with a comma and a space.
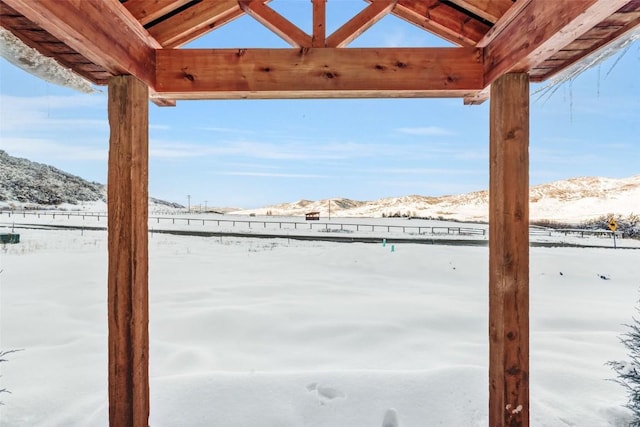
575, 199
27, 183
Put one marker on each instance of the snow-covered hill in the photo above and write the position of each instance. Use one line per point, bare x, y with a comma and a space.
24, 183
572, 200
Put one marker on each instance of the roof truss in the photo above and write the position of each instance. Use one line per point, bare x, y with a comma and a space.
140, 37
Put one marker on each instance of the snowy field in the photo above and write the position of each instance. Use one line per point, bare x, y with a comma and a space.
277, 332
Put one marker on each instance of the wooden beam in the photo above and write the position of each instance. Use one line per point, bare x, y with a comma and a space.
277, 23
103, 31
541, 29
503, 22
319, 36
163, 102
600, 44
146, 11
194, 21
127, 199
479, 97
318, 73
509, 252
442, 20
360, 23
491, 10
190, 36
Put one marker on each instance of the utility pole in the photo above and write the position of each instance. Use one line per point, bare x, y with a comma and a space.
329, 208
189, 203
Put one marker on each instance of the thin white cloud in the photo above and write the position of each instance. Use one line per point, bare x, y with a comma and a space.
226, 130
426, 131
51, 102
40, 148
44, 113
432, 171
565, 157
271, 151
395, 38
273, 174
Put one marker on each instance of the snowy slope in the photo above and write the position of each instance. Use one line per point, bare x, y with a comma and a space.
571, 200
24, 183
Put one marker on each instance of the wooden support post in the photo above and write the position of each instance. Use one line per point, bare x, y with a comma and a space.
509, 252
127, 195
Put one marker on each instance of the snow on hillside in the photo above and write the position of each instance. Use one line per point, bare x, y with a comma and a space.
26, 182
31, 185
572, 200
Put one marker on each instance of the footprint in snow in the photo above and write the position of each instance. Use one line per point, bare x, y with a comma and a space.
324, 393
390, 418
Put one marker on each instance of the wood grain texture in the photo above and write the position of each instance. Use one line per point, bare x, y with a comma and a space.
509, 252
360, 23
197, 19
275, 22
102, 31
318, 73
146, 11
442, 20
541, 29
127, 198
491, 10
631, 22
319, 32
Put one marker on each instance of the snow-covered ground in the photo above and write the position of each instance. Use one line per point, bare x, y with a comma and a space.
277, 332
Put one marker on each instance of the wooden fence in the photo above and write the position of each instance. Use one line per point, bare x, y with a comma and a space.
301, 225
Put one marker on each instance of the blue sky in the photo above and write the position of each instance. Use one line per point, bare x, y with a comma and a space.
260, 152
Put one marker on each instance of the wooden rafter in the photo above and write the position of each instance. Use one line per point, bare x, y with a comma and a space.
602, 42
147, 11
319, 36
102, 31
360, 23
503, 22
275, 22
216, 23
442, 20
541, 29
194, 21
318, 73
491, 10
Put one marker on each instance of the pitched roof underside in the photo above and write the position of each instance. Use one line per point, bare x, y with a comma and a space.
143, 37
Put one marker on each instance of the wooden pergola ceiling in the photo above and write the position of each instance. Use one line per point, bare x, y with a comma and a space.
133, 46
102, 38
